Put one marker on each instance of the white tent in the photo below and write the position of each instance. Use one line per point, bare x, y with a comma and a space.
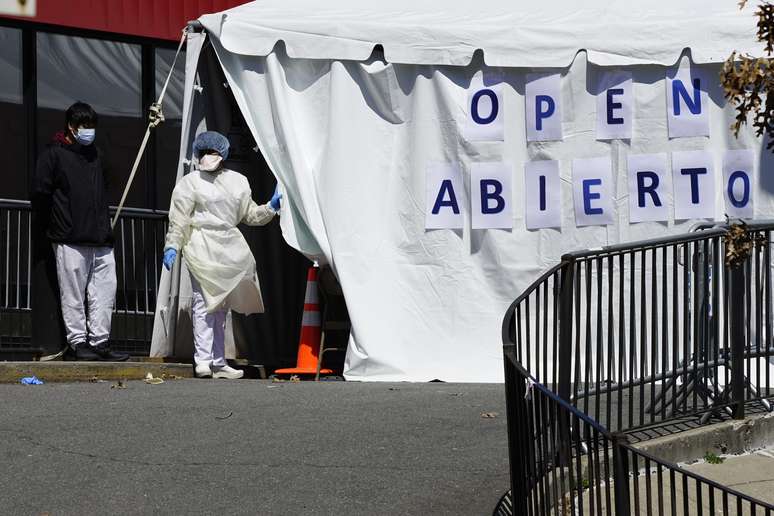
350, 102
522, 34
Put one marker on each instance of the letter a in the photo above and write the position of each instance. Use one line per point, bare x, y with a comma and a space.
446, 186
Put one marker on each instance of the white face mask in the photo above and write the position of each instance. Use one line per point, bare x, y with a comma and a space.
85, 136
210, 162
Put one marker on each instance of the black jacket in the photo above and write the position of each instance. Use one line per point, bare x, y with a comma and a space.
70, 191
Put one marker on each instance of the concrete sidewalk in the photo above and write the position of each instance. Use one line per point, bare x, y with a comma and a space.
252, 447
60, 371
751, 474
654, 492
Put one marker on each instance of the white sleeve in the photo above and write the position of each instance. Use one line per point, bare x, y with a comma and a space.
180, 210
251, 213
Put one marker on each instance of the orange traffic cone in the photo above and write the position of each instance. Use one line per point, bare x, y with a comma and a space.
309, 342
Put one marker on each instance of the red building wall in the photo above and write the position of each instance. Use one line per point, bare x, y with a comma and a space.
163, 19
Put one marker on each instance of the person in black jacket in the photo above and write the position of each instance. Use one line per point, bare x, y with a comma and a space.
71, 187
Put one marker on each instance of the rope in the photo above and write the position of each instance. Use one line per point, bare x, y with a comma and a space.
155, 117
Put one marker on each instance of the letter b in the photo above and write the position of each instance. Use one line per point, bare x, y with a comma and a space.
494, 195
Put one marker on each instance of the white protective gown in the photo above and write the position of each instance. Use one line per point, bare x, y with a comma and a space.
205, 210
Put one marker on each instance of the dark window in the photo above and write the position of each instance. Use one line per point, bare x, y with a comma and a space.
168, 133
107, 75
12, 128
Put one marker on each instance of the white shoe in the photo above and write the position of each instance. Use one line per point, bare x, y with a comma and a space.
203, 371
227, 372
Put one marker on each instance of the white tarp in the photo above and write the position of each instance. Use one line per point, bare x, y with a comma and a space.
351, 142
172, 330
510, 33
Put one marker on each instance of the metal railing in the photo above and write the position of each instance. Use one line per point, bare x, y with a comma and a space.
15, 274
615, 341
139, 245
139, 241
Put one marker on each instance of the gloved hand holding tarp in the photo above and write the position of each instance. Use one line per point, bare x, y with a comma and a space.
206, 207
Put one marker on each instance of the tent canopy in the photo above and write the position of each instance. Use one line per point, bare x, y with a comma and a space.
355, 141
512, 34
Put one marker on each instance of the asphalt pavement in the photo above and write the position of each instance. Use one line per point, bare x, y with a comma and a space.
252, 447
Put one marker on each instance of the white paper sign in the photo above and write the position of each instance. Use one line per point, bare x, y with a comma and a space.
693, 177
738, 181
445, 197
18, 8
614, 106
649, 187
543, 194
491, 195
543, 97
688, 103
592, 185
485, 112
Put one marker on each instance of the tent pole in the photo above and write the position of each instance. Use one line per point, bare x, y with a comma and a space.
195, 26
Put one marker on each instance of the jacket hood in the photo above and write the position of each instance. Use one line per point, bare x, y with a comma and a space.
59, 140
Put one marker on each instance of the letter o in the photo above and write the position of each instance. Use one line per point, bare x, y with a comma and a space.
474, 107
739, 203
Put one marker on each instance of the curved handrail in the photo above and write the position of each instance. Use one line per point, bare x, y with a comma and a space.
510, 312
644, 244
620, 320
555, 398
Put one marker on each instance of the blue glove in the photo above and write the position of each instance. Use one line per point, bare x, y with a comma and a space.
169, 258
275, 199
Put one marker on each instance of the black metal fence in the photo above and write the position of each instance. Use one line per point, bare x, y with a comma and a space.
614, 341
15, 275
139, 245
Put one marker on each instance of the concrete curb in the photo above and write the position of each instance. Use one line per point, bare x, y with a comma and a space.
12, 372
728, 437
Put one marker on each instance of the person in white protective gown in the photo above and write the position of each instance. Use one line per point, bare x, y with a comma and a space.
207, 204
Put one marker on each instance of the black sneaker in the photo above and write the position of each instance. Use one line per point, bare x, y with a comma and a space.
104, 353
84, 352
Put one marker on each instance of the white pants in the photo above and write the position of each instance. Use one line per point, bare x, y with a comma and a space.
87, 285
209, 330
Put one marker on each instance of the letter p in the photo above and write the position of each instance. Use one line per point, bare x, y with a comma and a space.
544, 108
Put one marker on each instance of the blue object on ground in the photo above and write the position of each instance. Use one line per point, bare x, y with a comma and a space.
31, 380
